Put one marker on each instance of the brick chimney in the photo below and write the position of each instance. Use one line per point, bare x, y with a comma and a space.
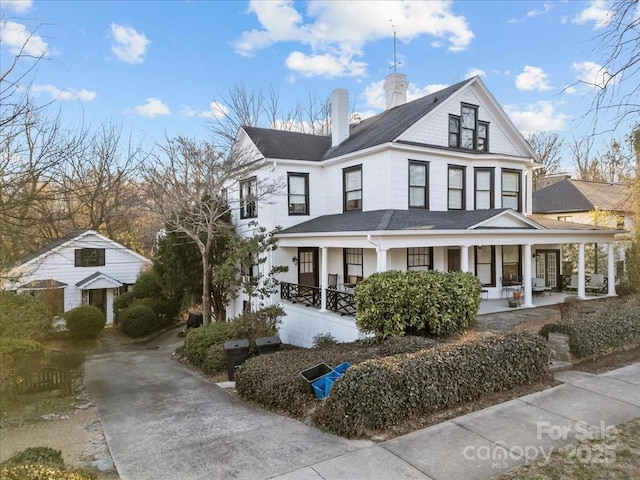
339, 116
395, 86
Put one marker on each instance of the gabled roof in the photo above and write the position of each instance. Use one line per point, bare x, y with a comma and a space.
377, 130
98, 277
583, 196
69, 239
413, 219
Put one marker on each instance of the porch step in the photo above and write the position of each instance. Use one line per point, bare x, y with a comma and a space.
558, 366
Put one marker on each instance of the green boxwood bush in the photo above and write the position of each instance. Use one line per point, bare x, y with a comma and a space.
85, 321
200, 340
382, 392
35, 455
419, 303
138, 320
611, 326
262, 323
41, 463
272, 381
24, 316
120, 303
165, 310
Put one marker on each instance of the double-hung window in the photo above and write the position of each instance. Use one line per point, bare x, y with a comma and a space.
418, 184
298, 184
353, 265
466, 131
484, 188
485, 265
420, 258
511, 189
248, 190
511, 259
456, 188
352, 183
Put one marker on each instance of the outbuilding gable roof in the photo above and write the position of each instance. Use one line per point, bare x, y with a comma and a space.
582, 196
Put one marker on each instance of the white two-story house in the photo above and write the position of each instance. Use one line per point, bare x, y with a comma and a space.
84, 267
443, 182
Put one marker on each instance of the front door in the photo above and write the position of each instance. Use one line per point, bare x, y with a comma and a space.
548, 267
98, 298
308, 266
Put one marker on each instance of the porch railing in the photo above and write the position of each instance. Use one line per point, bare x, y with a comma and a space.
339, 301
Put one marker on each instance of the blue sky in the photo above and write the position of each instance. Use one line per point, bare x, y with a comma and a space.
157, 66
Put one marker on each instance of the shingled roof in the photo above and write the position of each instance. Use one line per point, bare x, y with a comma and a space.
377, 130
392, 220
582, 196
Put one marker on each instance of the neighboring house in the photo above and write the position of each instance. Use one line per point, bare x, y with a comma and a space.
594, 203
82, 268
443, 182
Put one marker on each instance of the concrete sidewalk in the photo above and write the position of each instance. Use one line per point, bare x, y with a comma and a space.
492, 441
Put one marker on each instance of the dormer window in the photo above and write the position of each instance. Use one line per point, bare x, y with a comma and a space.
466, 131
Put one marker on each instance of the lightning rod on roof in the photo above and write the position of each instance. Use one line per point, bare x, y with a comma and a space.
395, 41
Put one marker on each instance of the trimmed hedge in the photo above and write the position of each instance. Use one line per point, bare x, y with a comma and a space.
200, 340
85, 321
598, 332
417, 303
272, 381
382, 392
138, 320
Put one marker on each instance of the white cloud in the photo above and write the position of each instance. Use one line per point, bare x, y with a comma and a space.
153, 108
62, 95
473, 72
216, 110
532, 78
570, 90
20, 40
325, 65
546, 8
376, 97
598, 12
129, 45
538, 117
336, 32
591, 74
18, 6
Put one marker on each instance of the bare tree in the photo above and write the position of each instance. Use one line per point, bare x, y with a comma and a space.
191, 186
548, 147
618, 82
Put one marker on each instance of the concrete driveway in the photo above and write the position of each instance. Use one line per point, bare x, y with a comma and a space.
164, 421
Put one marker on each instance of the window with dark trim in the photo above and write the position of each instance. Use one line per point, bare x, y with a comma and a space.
89, 257
248, 190
352, 184
298, 191
418, 184
456, 181
466, 131
511, 189
483, 188
511, 264
353, 263
420, 258
486, 265
565, 218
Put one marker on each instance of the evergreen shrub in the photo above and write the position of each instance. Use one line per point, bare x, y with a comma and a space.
85, 321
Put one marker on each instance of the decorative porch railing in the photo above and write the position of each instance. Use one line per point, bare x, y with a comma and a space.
339, 301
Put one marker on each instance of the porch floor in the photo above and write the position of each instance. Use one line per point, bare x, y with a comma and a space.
502, 305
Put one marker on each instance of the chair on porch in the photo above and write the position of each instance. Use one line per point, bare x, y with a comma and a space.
596, 283
508, 289
538, 286
333, 281
573, 285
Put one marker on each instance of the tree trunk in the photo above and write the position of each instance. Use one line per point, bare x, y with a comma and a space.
206, 289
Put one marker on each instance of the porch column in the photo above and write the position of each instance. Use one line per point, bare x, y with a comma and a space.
581, 290
526, 280
324, 278
611, 290
382, 260
464, 258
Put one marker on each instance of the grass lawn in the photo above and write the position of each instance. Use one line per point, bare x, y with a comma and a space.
616, 456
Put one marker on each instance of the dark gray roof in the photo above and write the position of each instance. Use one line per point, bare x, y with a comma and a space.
377, 220
560, 197
288, 145
94, 276
44, 284
372, 131
48, 247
